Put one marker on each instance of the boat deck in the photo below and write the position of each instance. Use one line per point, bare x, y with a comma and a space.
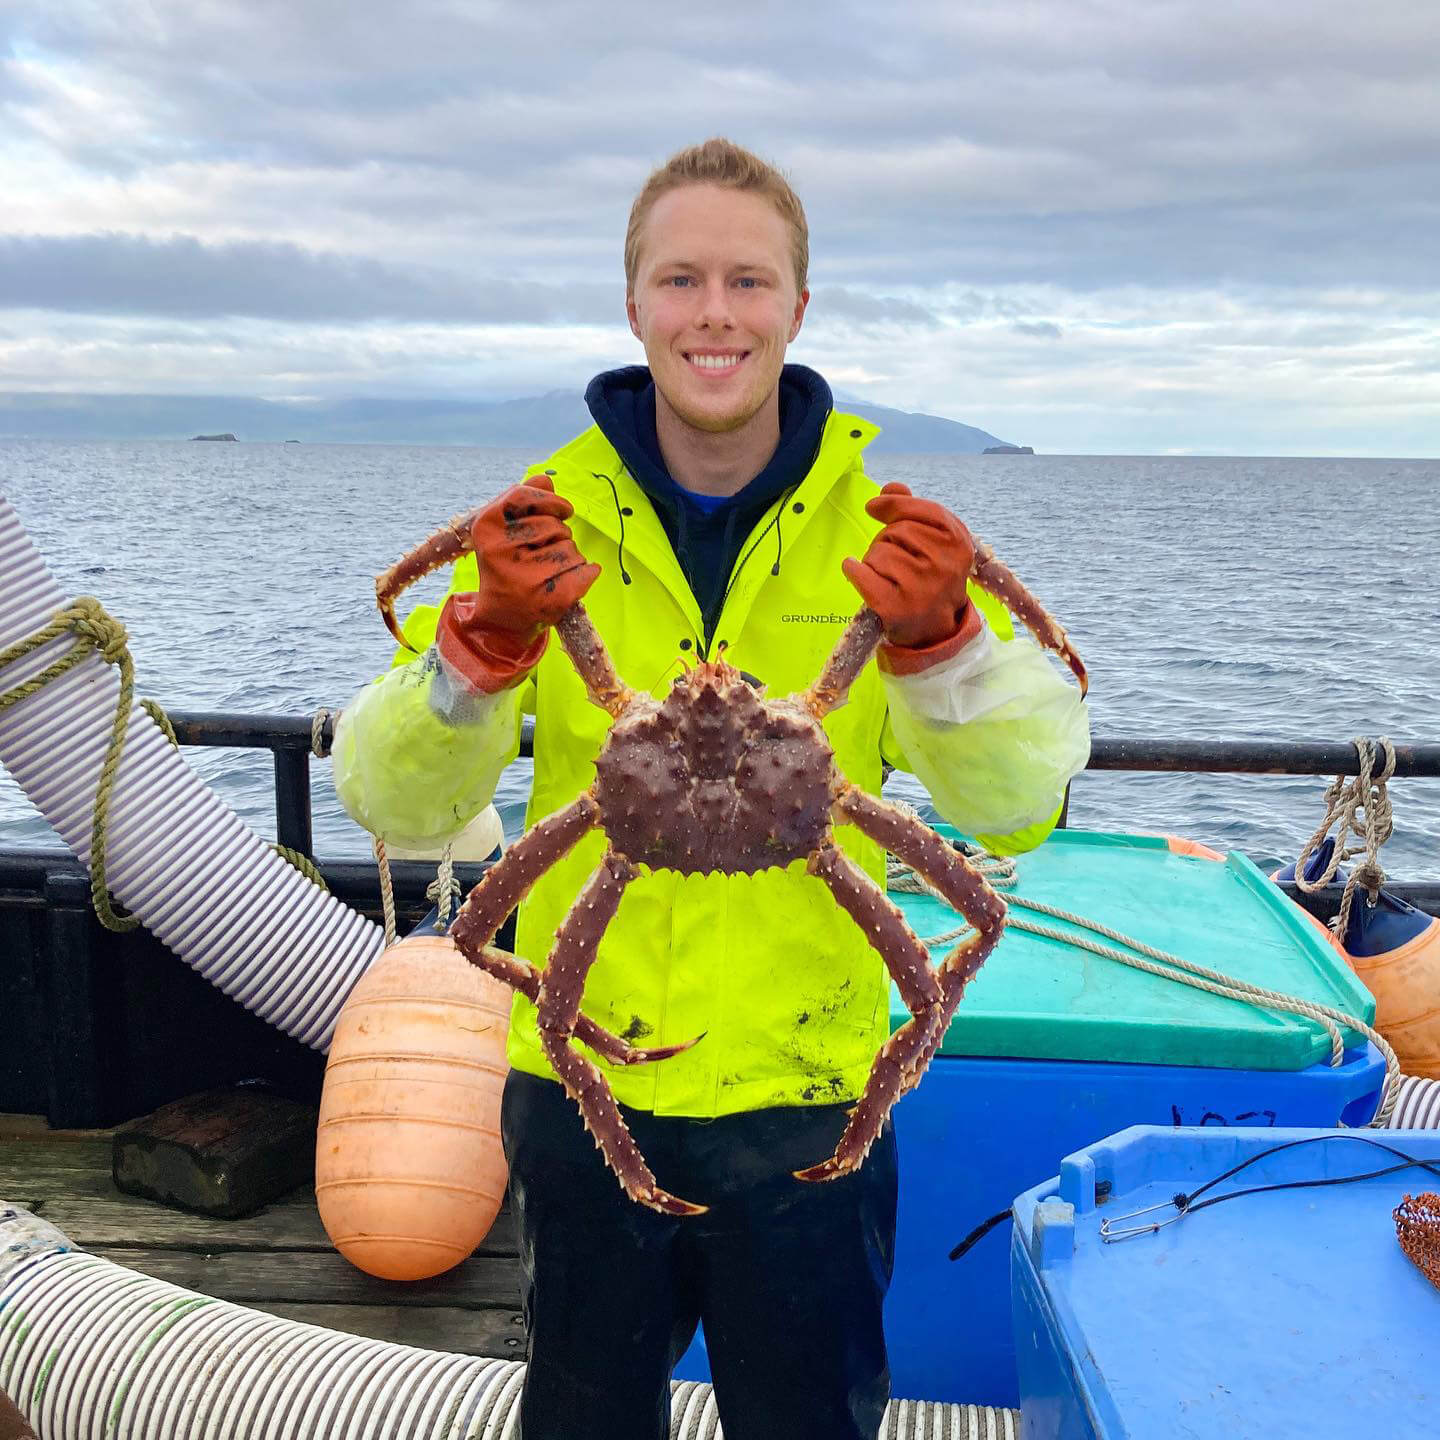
278, 1260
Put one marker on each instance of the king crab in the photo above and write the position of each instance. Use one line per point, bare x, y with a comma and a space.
715, 777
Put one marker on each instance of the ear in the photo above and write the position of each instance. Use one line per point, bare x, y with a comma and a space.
632, 313
799, 317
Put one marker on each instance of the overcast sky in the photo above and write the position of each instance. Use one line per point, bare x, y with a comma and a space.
1087, 225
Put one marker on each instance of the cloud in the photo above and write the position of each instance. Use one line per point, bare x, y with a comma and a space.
182, 276
835, 302
1180, 191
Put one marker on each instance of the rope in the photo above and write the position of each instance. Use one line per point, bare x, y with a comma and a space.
1346, 799
318, 745
97, 633
156, 712
387, 890
1001, 874
302, 862
444, 890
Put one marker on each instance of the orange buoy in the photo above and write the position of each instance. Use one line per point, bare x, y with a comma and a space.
1179, 845
1395, 950
409, 1170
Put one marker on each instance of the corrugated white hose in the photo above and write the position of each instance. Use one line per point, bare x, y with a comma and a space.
177, 856
89, 1349
1417, 1105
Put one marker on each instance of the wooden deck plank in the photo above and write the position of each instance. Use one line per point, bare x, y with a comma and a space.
278, 1260
496, 1334
250, 1276
70, 1184
110, 1218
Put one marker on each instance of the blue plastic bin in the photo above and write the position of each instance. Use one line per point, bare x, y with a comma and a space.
999, 1107
977, 1132
1289, 1313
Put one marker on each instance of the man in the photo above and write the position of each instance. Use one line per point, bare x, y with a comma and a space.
717, 501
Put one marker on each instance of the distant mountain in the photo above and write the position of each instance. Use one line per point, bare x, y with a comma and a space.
538, 422
916, 433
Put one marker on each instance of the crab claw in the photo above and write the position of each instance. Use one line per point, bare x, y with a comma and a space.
666, 1203
386, 606
831, 1169
661, 1052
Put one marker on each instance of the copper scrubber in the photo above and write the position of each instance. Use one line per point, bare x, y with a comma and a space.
1417, 1225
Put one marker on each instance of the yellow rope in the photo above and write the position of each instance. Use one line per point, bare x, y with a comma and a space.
156, 712
303, 863
98, 633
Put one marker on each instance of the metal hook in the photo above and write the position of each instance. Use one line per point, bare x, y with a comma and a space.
1109, 1234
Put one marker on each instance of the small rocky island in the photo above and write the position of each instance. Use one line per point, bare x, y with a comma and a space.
226, 436
1008, 450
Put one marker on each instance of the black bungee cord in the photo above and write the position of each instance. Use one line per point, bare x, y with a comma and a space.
1185, 1203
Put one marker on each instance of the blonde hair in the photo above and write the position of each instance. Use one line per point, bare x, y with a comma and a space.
720, 162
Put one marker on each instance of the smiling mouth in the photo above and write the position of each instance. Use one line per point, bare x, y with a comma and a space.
716, 364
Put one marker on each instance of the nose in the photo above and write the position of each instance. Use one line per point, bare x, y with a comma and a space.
714, 312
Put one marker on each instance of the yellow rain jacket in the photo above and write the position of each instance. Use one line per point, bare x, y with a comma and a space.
791, 998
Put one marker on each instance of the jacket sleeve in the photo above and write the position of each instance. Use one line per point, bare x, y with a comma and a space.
994, 734
417, 755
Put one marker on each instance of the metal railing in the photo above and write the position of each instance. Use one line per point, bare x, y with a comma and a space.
288, 738
79, 1002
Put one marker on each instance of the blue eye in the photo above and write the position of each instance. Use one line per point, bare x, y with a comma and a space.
678, 280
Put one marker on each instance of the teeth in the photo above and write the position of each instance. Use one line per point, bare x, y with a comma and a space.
716, 362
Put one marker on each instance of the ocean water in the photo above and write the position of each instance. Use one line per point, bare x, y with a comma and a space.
1211, 598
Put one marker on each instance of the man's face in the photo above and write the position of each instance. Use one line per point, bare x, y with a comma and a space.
715, 303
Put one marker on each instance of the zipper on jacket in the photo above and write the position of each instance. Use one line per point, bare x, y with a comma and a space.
773, 522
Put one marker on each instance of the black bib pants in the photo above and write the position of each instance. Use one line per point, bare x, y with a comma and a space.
788, 1277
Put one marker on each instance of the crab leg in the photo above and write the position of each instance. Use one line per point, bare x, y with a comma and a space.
521, 975
444, 547
591, 660
903, 1058
851, 655
864, 633
576, 945
504, 885
962, 885
999, 580
507, 882
909, 962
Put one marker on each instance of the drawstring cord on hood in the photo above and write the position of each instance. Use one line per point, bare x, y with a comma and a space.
620, 515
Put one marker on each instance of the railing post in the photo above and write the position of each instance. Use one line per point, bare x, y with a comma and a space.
292, 800
73, 1079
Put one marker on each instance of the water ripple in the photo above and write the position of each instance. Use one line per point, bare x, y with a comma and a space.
1212, 599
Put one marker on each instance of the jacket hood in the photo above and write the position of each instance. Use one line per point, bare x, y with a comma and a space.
705, 533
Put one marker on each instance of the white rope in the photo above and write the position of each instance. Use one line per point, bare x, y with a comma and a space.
387, 890
444, 890
1346, 800
1001, 873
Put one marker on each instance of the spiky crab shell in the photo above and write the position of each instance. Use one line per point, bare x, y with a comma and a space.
714, 778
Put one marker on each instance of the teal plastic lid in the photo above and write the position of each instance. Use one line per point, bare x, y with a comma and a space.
1040, 998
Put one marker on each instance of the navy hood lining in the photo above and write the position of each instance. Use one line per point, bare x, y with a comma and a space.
707, 538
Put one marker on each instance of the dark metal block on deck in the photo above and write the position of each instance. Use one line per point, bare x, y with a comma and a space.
223, 1153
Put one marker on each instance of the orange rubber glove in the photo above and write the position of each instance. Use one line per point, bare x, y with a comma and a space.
913, 577
530, 574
